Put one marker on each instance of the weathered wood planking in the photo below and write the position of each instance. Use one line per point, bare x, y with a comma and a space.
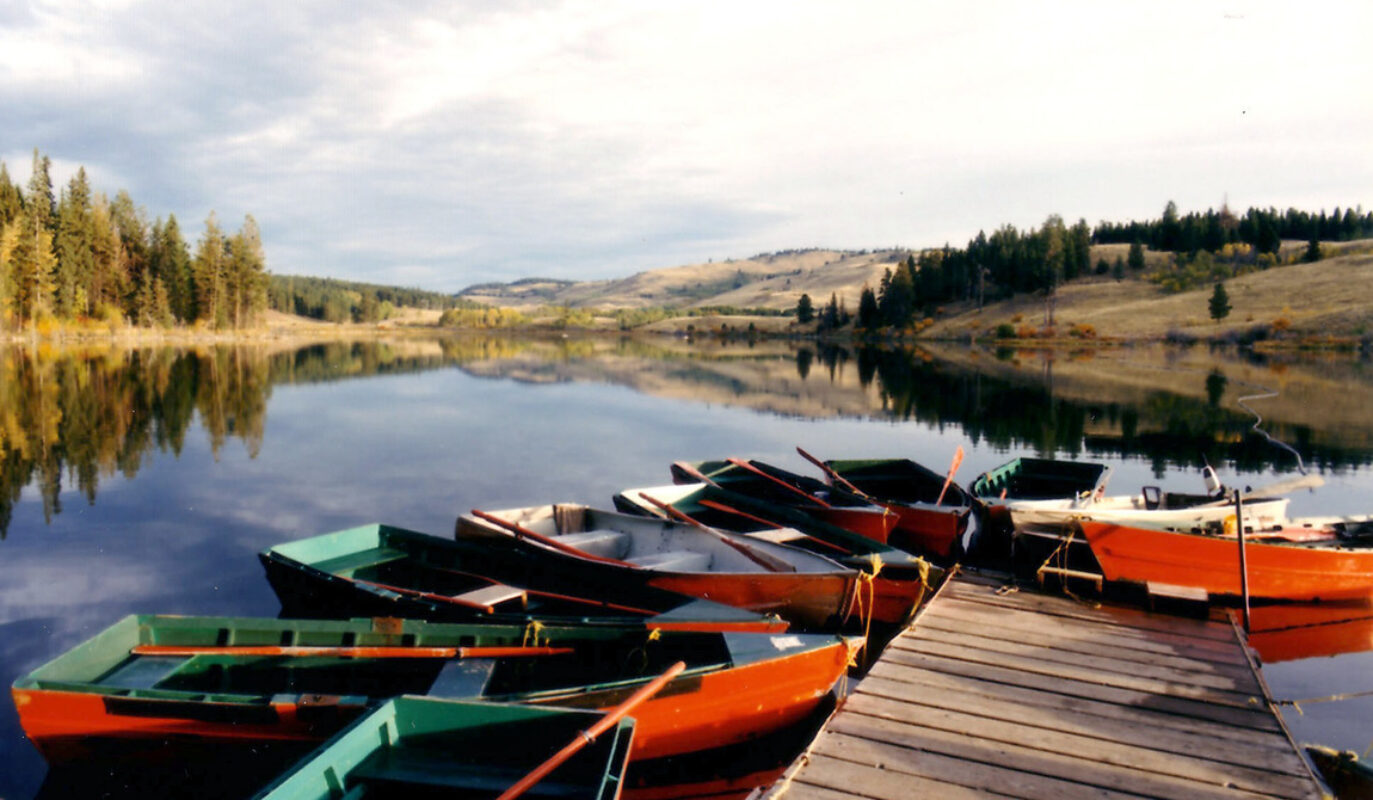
1025, 694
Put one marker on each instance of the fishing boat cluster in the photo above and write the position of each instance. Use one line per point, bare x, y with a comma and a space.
544, 649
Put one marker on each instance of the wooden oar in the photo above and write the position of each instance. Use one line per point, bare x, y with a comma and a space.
957, 462
589, 735
547, 541
693, 473
432, 596
736, 512
764, 560
740, 463
348, 652
772, 526
828, 470
536, 592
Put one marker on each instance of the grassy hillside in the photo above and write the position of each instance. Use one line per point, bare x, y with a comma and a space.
774, 281
1332, 296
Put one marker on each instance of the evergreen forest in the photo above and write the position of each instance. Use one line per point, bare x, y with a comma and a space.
1201, 247
79, 256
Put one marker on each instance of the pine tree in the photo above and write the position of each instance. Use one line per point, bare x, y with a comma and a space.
109, 283
805, 309
896, 306
868, 317
169, 261
75, 247
208, 271
39, 202
1136, 257
1220, 303
9, 242
33, 262
245, 276
1313, 250
12, 200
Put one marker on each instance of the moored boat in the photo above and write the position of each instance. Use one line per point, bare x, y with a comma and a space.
899, 580
782, 487
1041, 479
934, 514
412, 745
381, 570
154, 678
1156, 508
1326, 558
806, 589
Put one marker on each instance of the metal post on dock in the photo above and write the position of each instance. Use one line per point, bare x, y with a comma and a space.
1244, 571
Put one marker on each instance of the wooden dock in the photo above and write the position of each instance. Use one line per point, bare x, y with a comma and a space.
1026, 694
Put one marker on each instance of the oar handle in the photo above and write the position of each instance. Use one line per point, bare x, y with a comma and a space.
547, 541
763, 560
834, 475
589, 735
744, 465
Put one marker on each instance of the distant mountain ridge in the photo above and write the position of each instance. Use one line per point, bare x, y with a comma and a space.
768, 280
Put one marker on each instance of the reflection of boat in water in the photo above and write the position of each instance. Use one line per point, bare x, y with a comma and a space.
1293, 631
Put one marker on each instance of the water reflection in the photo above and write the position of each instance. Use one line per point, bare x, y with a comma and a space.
73, 415
202, 456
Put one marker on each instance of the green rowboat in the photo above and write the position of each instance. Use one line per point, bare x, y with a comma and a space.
419, 747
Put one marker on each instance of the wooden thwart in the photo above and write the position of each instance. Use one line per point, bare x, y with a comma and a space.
1025, 694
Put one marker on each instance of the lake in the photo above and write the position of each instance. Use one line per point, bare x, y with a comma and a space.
146, 480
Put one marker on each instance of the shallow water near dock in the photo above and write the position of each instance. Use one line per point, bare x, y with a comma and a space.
146, 480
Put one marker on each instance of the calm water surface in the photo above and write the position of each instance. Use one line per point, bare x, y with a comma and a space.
147, 480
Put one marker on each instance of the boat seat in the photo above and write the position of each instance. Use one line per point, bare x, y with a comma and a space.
143, 672
491, 596
777, 535
606, 544
349, 563
463, 677
674, 561
409, 769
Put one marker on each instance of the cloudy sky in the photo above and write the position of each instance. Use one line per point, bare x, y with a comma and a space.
445, 144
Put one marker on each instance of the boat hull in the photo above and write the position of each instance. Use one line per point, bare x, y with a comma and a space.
149, 681
1275, 571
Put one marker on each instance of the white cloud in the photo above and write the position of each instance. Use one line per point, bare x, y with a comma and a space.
585, 139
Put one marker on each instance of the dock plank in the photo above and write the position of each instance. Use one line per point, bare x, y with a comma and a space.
1098, 659
1158, 643
1133, 755
955, 691
1025, 694
1067, 767
1249, 717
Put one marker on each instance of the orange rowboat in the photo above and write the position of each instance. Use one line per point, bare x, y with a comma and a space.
1320, 559
806, 589
735, 686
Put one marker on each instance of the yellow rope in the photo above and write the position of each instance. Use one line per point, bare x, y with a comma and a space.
531, 633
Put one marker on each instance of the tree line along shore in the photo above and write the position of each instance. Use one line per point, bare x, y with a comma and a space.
79, 263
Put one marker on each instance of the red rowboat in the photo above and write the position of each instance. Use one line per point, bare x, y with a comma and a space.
1318, 559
